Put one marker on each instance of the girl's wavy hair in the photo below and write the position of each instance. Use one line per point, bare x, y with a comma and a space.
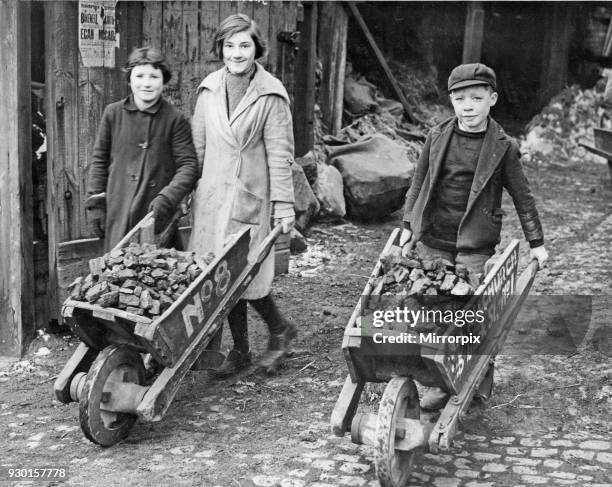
147, 55
234, 24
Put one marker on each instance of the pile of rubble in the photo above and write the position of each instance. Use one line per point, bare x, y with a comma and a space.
411, 275
140, 279
567, 120
364, 171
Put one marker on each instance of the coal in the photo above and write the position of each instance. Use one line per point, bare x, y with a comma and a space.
141, 279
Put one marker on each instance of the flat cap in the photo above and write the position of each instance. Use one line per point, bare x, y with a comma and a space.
472, 74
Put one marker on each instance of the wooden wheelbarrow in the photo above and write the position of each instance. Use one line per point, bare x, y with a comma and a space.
106, 374
462, 370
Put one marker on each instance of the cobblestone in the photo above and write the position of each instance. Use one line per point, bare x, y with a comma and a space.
566, 443
544, 452
523, 461
605, 458
583, 454
563, 475
469, 474
486, 456
534, 479
524, 470
595, 445
494, 467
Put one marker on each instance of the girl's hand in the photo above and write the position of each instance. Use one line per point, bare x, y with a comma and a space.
287, 222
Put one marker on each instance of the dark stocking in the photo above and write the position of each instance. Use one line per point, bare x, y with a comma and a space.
237, 319
266, 308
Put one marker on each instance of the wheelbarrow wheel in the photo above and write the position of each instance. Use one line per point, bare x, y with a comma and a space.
113, 364
400, 400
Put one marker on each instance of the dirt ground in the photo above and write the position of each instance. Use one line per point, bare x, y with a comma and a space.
255, 430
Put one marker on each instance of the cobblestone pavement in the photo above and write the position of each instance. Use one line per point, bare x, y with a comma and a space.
475, 461
254, 431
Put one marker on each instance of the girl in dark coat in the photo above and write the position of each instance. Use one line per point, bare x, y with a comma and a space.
143, 157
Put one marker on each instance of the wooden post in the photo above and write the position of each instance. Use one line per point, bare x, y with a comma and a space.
555, 55
16, 218
382, 61
333, 28
303, 123
474, 28
61, 98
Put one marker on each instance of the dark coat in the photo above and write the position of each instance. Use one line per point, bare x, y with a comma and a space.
138, 155
498, 167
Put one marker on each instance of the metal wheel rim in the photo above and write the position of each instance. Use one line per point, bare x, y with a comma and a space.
400, 399
114, 363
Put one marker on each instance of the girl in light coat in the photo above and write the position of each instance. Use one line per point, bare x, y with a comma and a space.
243, 133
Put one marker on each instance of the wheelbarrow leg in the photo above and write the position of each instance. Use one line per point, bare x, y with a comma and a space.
80, 361
211, 357
346, 406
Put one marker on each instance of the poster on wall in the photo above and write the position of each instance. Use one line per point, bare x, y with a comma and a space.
98, 34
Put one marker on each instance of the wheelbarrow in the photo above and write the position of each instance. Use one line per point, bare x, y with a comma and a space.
106, 373
462, 370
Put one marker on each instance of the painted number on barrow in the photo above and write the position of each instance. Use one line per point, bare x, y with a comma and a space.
216, 287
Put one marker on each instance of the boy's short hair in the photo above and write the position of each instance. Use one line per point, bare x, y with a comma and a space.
234, 24
471, 74
147, 55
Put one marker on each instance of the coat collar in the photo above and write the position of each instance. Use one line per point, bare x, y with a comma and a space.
494, 147
129, 105
263, 83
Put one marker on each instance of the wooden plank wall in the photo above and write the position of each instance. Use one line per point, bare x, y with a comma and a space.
184, 31
16, 219
333, 29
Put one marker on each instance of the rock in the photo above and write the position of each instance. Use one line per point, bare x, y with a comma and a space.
145, 300
128, 299
329, 190
359, 96
309, 165
76, 288
400, 274
124, 274
155, 307
95, 291
462, 288
420, 286
109, 299
448, 283
306, 204
376, 173
417, 274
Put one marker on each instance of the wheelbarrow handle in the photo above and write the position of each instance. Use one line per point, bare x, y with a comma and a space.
266, 245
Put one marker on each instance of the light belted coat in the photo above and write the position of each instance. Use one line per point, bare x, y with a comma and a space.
498, 167
247, 161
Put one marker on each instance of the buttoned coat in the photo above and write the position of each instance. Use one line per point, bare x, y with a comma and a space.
498, 167
247, 161
138, 155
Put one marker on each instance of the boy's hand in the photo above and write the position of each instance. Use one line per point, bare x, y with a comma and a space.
606, 72
540, 254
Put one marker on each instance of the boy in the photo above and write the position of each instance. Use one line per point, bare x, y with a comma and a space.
453, 207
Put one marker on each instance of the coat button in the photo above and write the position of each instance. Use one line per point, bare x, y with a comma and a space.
152, 184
